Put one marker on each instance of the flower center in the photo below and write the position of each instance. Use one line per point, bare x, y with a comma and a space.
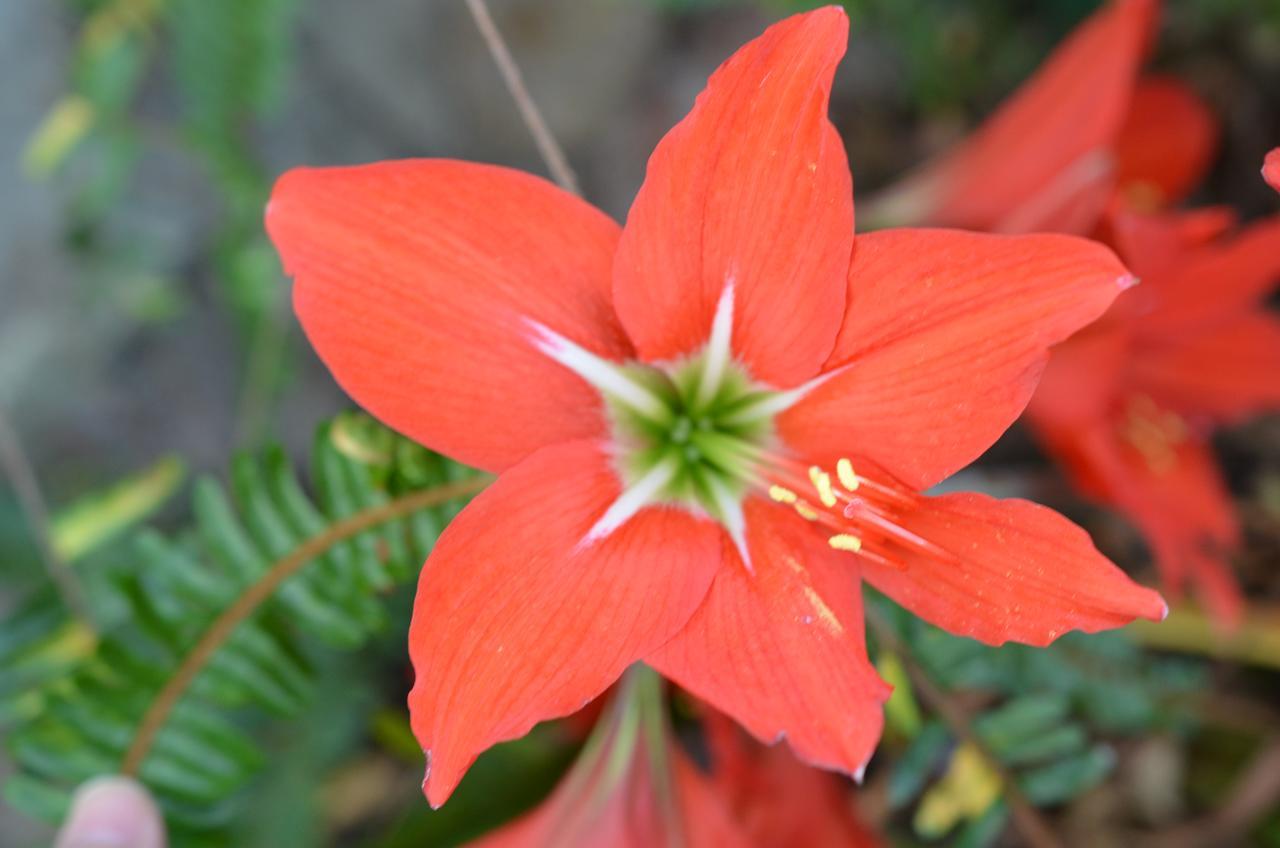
702, 442
700, 434
1156, 434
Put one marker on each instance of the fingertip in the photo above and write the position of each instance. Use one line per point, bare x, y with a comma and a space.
112, 812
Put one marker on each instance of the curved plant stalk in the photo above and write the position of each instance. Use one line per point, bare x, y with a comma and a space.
260, 591
548, 147
15, 466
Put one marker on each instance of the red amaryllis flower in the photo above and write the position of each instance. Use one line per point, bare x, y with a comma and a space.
1128, 404
631, 787
1081, 130
1271, 169
776, 800
708, 425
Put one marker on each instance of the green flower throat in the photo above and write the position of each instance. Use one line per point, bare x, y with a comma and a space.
705, 433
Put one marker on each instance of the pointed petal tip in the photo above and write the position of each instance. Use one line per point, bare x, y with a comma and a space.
833, 10
1128, 281
286, 185
835, 19
435, 791
833, 15
1271, 169
1150, 605
428, 790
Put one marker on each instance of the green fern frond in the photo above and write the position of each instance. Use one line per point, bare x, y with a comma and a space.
220, 618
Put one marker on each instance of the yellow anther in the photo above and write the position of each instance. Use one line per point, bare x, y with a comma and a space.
782, 494
822, 484
844, 472
806, 511
845, 542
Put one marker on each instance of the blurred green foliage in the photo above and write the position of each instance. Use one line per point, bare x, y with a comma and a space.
226, 63
1049, 717
73, 693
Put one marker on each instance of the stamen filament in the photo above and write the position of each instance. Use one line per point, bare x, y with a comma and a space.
899, 533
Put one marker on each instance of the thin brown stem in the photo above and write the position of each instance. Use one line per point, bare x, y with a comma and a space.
231, 618
1035, 831
548, 147
26, 486
1254, 794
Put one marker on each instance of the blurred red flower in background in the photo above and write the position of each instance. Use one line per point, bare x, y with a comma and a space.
1087, 146
1127, 405
1052, 155
708, 425
631, 787
634, 786
776, 800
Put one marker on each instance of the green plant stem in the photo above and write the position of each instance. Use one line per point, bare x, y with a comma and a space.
257, 593
262, 370
26, 486
1254, 641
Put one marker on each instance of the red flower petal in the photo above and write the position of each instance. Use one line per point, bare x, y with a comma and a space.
1025, 574
1153, 243
1192, 545
782, 649
1271, 169
1215, 283
1180, 504
944, 337
1229, 372
574, 817
1166, 144
1082, 380
751, 188
631, 787
1043, 161
779, 800
516, 621
413, 282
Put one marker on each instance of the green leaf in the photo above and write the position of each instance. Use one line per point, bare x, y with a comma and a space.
38, 798
94, 520
1062, 781
922, 758
77, 704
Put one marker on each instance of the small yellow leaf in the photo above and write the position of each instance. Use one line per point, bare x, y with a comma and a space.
97, 517
966, 791
58, 134
901, 712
